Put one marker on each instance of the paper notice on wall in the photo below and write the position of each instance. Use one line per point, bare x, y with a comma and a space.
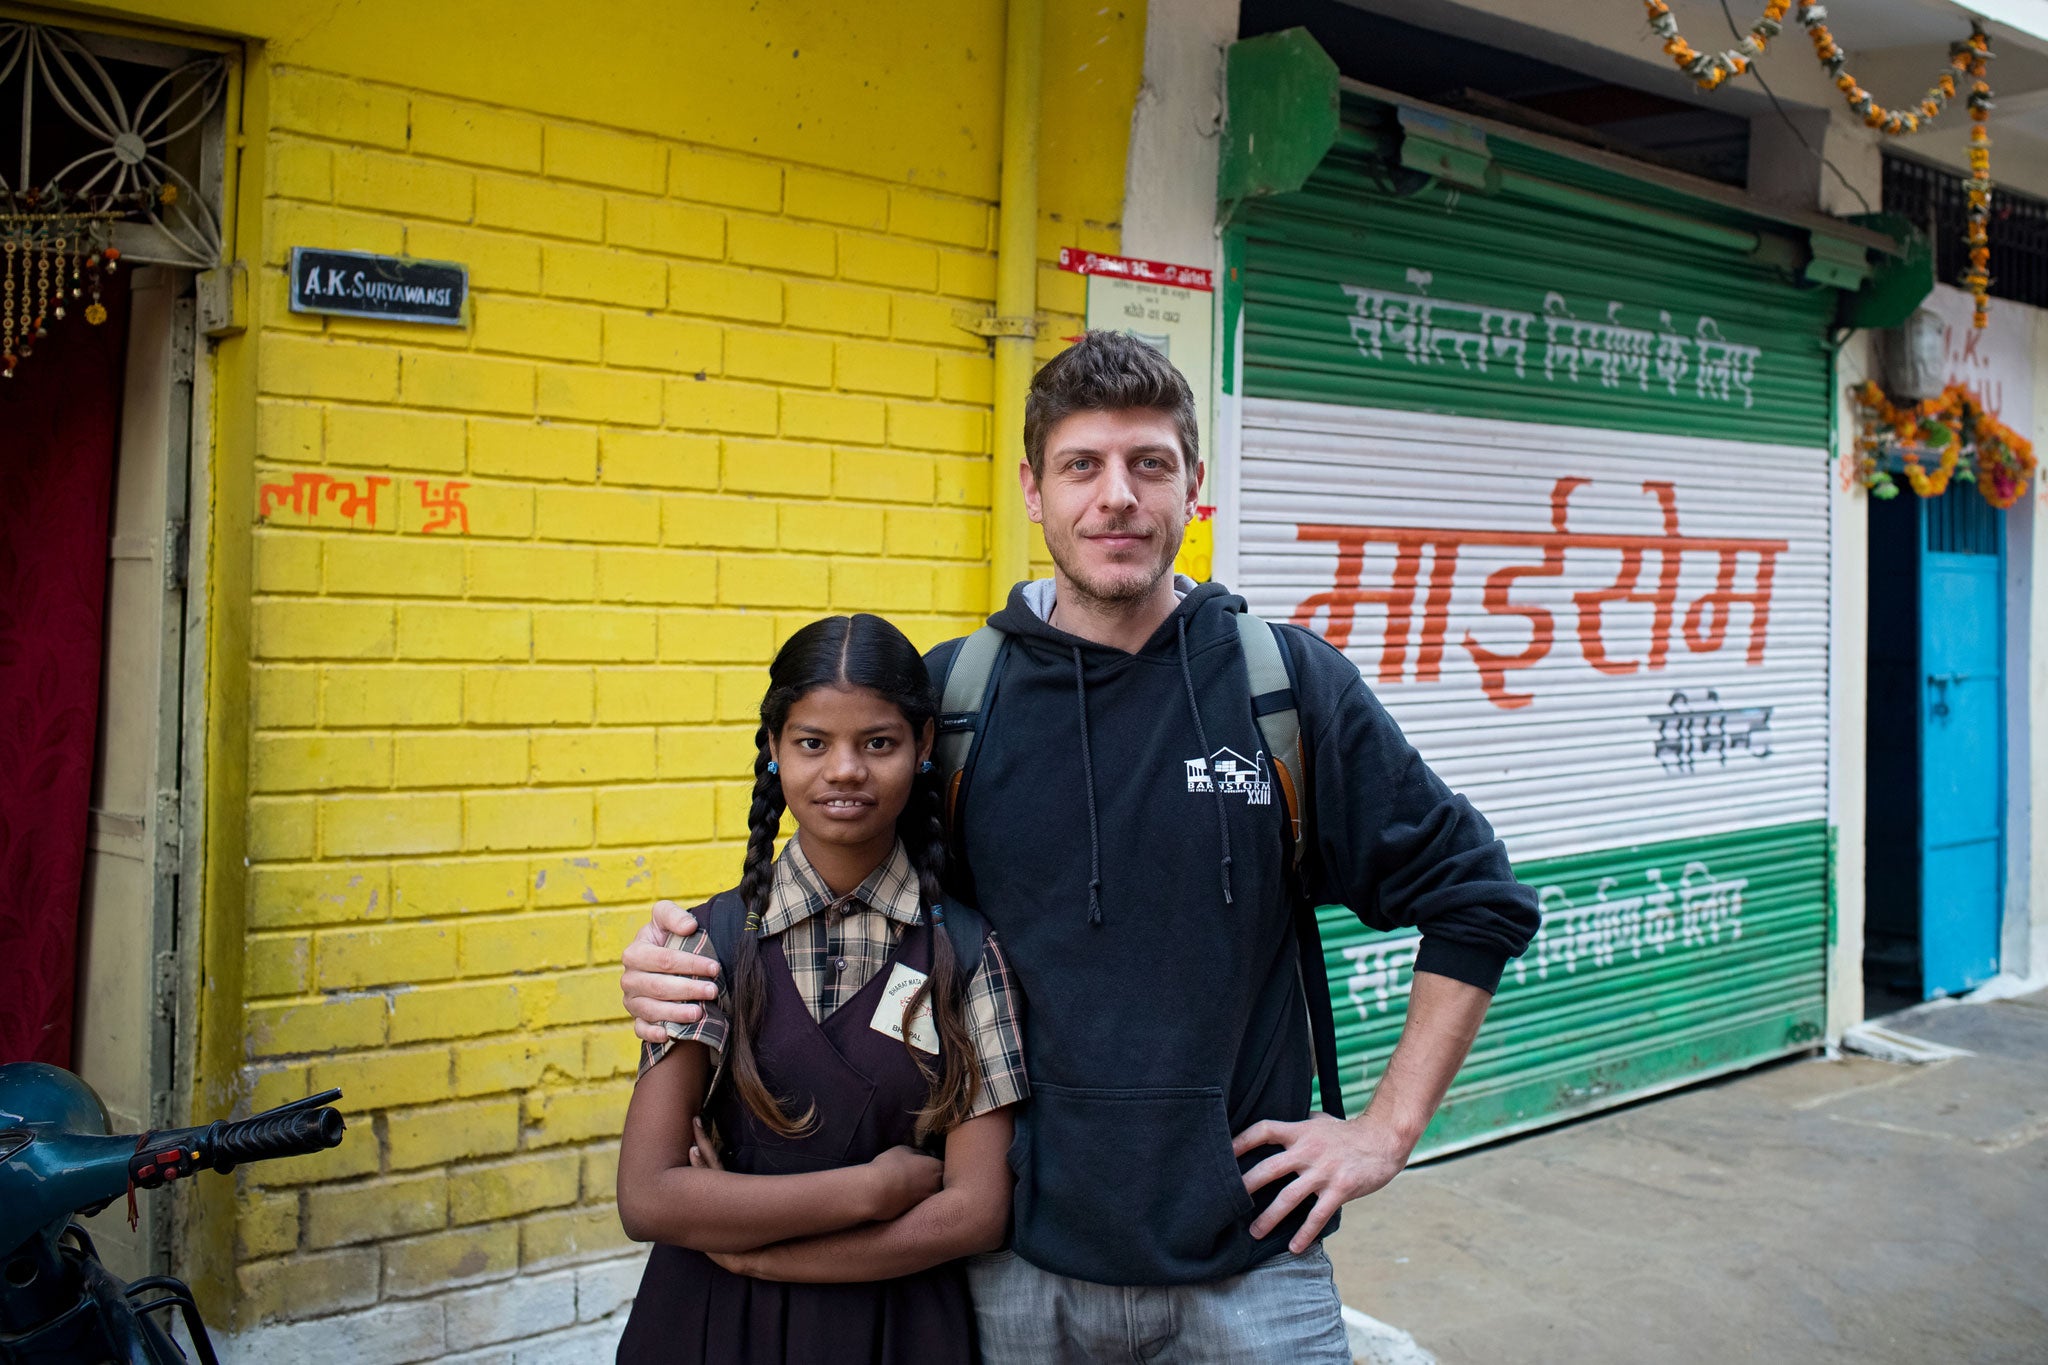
1170, 308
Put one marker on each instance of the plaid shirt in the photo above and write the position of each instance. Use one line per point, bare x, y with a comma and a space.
836, 944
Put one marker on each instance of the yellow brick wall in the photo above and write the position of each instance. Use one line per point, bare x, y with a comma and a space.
704, 396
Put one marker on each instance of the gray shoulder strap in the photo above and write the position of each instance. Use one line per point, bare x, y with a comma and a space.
960, 707
1274, 708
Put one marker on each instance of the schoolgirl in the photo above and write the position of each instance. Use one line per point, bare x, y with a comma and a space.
776, 1149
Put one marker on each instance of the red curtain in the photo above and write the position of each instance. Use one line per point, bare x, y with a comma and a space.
59, 416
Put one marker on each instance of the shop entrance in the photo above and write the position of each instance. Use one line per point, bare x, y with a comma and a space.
1936, 772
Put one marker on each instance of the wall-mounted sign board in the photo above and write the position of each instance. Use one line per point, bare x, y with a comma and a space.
392, 288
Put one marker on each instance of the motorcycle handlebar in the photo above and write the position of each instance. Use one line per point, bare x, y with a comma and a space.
296, 1129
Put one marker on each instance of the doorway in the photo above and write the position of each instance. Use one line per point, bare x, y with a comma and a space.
1936, 772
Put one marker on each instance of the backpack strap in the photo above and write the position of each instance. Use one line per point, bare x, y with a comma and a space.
961, 702
969, 932
1279, 722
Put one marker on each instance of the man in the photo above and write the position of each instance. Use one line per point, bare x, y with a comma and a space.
1172, 1187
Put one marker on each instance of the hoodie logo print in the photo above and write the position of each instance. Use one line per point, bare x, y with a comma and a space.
1231, 773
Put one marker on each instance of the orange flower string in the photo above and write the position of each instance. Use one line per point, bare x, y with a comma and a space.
1955, 423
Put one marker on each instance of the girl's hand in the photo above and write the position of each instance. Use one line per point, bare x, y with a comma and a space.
733, 1262
703, 1151
904, 1178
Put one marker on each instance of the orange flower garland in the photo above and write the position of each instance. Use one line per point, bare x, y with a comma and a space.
2002, 460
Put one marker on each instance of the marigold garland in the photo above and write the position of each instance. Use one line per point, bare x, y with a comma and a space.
1953, 424
1969, 58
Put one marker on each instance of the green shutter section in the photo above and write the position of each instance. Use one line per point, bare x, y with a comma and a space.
1655, 966
1426, 266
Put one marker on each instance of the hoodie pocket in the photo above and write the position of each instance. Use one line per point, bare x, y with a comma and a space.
1127, 1186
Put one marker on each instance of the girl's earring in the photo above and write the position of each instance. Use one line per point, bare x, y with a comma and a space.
773, 767
925, 767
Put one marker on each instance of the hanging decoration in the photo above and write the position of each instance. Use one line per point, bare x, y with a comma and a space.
1963, 439
1968, 59
54, 253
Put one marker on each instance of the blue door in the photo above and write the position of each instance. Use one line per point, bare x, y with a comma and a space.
1962, 749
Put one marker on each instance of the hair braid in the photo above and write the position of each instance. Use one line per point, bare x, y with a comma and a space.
922, 828
764, 819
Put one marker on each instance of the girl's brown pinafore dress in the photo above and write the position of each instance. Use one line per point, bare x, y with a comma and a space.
867, 1091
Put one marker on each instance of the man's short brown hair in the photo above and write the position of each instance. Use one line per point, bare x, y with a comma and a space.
1107, 372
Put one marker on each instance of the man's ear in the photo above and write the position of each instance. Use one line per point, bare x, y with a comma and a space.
1033, 505
1195, 491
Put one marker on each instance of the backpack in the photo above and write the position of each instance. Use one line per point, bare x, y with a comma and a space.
970, 687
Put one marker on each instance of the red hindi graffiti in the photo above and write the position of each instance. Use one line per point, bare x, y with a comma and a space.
305, 493
450, 513
1704, 624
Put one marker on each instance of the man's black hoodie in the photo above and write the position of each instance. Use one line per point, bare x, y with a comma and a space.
1123, 834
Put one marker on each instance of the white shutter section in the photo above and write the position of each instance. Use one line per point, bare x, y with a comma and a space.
1603, 638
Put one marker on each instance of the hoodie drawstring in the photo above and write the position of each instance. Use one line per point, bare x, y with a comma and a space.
1187, 678
1088, 785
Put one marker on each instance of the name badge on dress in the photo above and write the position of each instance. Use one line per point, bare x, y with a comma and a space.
903, 983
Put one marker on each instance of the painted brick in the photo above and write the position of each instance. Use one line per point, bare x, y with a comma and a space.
287, 563
532, 572
664, 226
592, 395
962, 589
930, 319
390, 696
281, 897
720, 753
601, 1164
961, 222
775, 467
286, 221
828, 528
580, 635
640, 696
881, 585
475, 135
495, 509
436, 1012
716, 179
288, 433
691, 874
834, 199
346, 959
282, 763
307, 1284
526, 205
378, 1080
923, 426
440, 1260
463, 632
710, 405
586, 997
517, 1312
778, 357
832, 417
506, 1189
589, 756
659, 341
489, 1068
533, 450
601, 514
739, 695
718, 292
874, 367
570, 1236
525, 943
917, 533
403, 185
714, 521
653, 814
442, 1133
1061, 291
445, 887
276, 965
598, 157
283, 829
661, 459
390, 567
459, 758
560, 331
306, 368
823, 307
351, 1159
554, 1117
496, 260
527, 819
656, 576
888, 260
284, 697
716, 637
275, 1030
967, 379
378, 826
584, 879
882, 476
344, 1214
527, 696
965, 483
265, 1224
602, 275
969, 274
468, 383
380, 438
778, 244
334, 107
301, 170
323, 630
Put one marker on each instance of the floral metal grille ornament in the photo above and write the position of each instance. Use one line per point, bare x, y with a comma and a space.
107, 162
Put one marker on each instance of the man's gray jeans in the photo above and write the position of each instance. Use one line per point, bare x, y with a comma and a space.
1285, 1309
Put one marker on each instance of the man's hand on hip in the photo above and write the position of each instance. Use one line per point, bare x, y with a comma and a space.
662, 984
1331, 1160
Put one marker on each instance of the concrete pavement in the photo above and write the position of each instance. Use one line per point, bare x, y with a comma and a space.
1815, 1210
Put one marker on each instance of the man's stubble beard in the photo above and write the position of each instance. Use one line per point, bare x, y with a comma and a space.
1123, 592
